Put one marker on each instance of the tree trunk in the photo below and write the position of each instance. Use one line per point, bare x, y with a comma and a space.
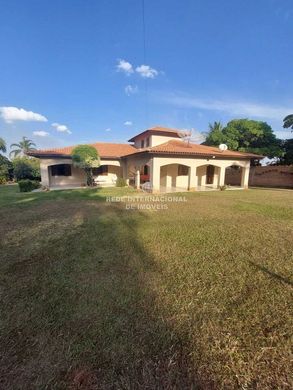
89, 177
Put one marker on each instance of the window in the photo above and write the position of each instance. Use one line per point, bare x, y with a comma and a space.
61, 170
142, 144
182, 170
147, 142
102, 170
145, 170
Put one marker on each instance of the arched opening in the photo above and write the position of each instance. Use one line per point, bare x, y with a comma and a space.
174, 177
106, 175
233, 175
208, 176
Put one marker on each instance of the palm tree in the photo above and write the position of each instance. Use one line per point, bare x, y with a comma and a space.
288, 121
216, 126
2, 145
24, 146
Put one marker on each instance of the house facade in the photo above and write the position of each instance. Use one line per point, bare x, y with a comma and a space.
157, 158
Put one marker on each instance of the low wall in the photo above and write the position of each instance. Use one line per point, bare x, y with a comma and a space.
271, 176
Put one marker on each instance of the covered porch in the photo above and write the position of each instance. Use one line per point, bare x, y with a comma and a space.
165, 175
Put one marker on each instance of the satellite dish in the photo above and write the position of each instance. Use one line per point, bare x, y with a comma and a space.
223, 147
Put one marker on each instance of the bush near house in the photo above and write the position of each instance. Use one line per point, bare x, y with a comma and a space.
27, 185
121, 182
26, 168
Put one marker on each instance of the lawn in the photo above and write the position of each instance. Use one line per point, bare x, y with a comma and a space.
194, 296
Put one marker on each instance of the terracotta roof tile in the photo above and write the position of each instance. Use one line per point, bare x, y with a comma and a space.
158, 130
182, 147
104, 150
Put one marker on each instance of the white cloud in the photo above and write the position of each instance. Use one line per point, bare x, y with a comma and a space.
231, 107
128, 123
11, 114
125, 67
41, 133
146, 71
130, 89
108, 129
61, 128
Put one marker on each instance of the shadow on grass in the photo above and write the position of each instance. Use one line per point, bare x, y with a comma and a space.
271, 273
85, 311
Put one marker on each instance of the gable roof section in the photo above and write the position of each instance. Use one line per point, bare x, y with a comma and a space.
105, 150
158, 130
176, 147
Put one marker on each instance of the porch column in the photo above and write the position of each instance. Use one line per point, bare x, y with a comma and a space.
44, 174
216, 177
125, 172
155, 171
137, 179
192, 184
245, 177
222, 176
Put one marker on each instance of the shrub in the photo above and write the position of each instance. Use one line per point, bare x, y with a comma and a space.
27, 185
223, 188
3, 180
120, 182
6, 168
26, 168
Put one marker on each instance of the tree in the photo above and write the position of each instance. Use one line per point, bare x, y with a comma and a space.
287, 158
86, 157
215, 134
26, 168
24, 146
6, 168
247, 135
2, 145
288, 122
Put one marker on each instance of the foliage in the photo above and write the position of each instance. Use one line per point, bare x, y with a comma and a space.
26, 168
6, 168
288, 121
27, 185
24, 146
86, 157
215, 134
3, 180
287, 158
246, 135
120, 182
2, 145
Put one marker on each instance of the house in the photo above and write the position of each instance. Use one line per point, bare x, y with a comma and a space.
158, 156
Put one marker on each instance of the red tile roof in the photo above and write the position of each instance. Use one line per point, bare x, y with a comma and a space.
183, 147
104, 150
158, 130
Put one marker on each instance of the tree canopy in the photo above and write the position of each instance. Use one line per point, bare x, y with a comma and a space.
2, 145
246, 135
86, 157
21, 148
288, 122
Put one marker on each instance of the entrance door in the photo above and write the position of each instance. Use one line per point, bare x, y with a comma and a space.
210, 174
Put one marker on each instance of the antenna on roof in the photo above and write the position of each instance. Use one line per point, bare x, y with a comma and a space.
190, 136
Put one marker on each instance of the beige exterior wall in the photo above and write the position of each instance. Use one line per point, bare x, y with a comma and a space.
162, 173
154, 140
77, 177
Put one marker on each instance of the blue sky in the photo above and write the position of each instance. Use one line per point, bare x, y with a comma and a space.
78, 64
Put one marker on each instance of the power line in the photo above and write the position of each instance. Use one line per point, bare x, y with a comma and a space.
144, 62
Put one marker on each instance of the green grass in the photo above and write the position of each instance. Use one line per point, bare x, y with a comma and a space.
94, 296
